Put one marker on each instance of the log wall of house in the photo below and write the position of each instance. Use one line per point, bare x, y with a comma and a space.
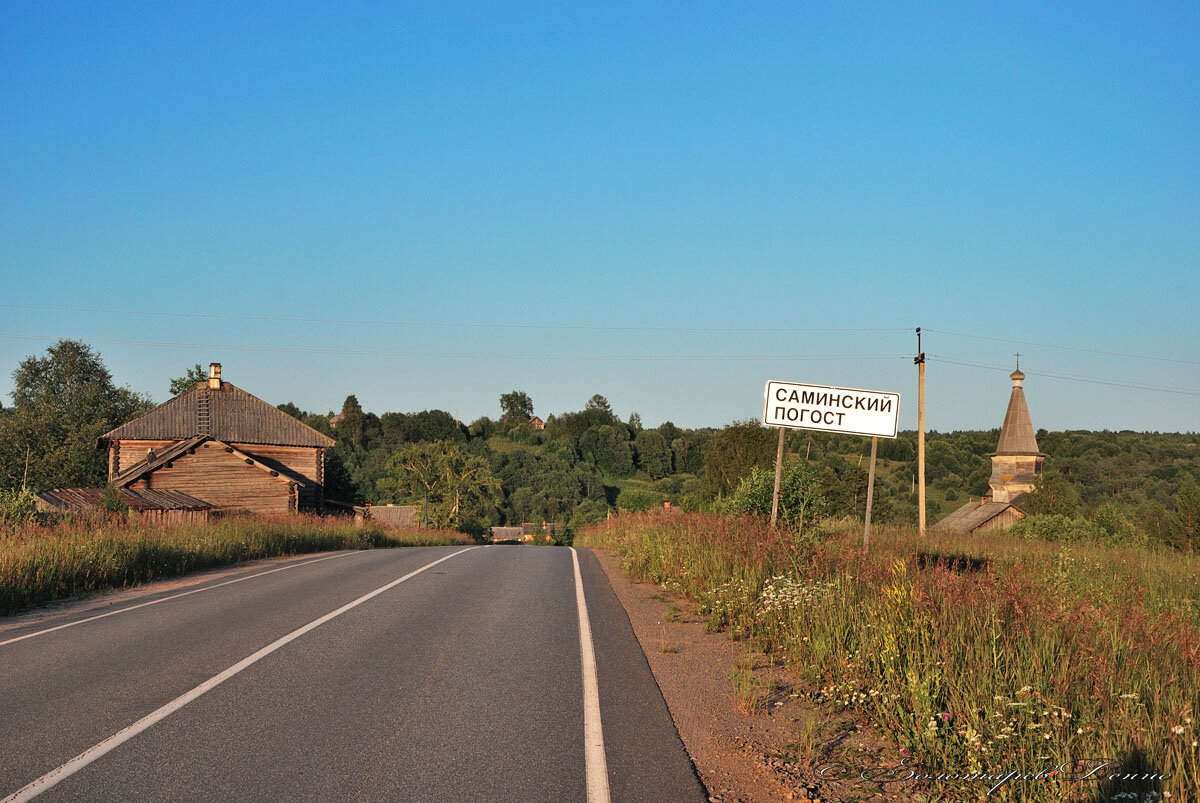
224, 480
126, 453
304, 461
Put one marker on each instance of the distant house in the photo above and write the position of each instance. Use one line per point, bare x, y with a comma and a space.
219, 444
537, 423
1016, 464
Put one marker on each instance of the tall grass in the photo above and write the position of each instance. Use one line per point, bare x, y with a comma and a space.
978, 654
39, 563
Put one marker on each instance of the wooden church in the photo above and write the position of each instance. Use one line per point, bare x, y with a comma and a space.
218, 443
1015, 465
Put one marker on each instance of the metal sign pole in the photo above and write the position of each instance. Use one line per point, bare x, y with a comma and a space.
778, 472
870, 496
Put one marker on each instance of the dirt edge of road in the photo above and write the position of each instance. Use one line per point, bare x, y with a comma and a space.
748, 727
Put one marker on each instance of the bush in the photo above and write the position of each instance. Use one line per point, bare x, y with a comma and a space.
16, 507
1057, 527
801, 503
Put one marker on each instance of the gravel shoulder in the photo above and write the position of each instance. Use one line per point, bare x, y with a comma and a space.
749, 728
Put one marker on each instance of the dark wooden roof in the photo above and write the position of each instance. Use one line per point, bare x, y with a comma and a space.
89, 499
230, 414
972, 515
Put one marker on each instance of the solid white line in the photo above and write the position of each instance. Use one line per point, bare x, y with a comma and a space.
593, 732
36, 787
174, 596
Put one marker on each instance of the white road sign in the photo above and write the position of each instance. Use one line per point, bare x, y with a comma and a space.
855, 412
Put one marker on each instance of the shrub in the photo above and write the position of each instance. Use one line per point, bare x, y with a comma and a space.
801, 503
16, 507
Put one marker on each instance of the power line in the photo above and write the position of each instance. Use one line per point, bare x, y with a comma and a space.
1095, 380
1066, 348
474, 356
448, 325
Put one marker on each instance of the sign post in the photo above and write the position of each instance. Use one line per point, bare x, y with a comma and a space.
791, 405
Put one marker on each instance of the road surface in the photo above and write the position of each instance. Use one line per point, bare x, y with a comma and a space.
438, 673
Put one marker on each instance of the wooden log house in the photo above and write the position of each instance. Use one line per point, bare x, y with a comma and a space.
220, 444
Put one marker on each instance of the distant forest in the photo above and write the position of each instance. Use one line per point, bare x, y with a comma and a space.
586, 463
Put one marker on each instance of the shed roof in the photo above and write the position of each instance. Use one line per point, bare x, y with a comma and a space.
145, 499
228, 414
972, 515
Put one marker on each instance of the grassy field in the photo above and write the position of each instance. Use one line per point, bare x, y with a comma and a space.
41, 563
977, 654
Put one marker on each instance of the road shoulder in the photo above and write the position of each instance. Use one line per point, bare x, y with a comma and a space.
762, 747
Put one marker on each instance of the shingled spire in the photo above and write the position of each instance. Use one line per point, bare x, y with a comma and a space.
1017, 460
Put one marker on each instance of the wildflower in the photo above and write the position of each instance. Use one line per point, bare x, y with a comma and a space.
1079, 730
1177, 730
945, 716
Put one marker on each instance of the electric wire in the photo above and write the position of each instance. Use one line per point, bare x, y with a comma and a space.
1064, 348
473, 356
451, 325
1095, 380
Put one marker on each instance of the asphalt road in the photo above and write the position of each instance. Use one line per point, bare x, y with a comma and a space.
463, 681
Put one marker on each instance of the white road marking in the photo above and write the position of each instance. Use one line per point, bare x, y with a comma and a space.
173, 596
593, 732
57, 775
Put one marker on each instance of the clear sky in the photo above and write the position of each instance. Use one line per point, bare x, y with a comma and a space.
746, 184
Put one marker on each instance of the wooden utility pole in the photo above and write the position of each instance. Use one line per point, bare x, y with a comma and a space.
920, 361
870, 496
778, 471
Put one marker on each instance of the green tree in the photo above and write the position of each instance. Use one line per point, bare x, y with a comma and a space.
292, 410
350, 426
461, 487
62, 403
734, 452
653, 454
1186, 521
598, 402
1052, 493
607, 446
181, 384
516, 407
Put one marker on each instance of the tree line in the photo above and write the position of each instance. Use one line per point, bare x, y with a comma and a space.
585, 463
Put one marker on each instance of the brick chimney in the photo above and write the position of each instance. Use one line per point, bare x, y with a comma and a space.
214, 376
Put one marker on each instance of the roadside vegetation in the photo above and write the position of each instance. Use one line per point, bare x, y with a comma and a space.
990, 653
40, 562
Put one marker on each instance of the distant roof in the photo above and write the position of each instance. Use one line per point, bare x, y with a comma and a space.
1016, 436
89, 499
233, 416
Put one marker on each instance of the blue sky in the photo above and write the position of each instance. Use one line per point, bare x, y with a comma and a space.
764, 181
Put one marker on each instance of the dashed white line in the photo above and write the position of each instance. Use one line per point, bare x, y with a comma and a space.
59, 774
593, 731
173, 596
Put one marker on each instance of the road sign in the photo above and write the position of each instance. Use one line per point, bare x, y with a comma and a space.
830, 409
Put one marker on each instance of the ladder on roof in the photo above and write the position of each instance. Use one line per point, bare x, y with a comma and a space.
203, 425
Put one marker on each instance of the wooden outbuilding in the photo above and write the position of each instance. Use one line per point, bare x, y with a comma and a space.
164, 507
220, 444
